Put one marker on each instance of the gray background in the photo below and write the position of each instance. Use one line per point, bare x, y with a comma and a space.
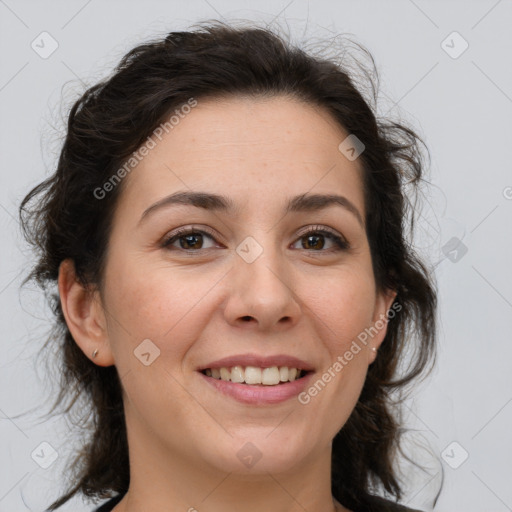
460, 104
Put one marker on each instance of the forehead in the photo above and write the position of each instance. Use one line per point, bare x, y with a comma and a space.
253, 149
240, 126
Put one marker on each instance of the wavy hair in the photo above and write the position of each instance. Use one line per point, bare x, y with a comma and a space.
112, 119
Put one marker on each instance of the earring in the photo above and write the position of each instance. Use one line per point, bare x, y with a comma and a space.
374, 349
95, 353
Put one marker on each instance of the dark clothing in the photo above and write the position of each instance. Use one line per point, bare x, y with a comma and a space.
109, 505
381, 505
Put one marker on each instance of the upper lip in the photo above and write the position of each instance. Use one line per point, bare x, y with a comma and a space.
259, 361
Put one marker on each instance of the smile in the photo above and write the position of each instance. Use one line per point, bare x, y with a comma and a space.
257, 393
254, 375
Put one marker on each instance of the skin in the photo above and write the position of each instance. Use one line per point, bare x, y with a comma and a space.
306, 300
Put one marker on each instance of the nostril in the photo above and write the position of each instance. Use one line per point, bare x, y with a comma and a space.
246, 318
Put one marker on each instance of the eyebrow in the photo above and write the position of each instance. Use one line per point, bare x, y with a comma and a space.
214, 202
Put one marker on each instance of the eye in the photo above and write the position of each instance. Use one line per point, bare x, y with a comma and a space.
189, 239
192, 239
315, 237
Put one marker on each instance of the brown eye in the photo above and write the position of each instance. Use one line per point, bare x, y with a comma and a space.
315, 240
192, 241
188, 239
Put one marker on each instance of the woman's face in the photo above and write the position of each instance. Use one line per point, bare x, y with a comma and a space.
270, 273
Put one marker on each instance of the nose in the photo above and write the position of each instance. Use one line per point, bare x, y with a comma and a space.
261, 294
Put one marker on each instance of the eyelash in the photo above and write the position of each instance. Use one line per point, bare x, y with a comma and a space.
339, 241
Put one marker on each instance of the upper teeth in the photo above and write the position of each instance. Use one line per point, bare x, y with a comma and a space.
254, 375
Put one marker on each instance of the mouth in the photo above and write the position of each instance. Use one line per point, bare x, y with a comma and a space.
257, 380
256, 376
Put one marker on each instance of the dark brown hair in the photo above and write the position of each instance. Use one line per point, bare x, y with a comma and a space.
62, 219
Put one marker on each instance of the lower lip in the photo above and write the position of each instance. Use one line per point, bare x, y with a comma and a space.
259, 395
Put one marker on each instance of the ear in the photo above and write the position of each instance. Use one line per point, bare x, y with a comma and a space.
383, 303
84, 315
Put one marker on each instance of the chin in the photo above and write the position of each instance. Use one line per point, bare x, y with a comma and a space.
258, 454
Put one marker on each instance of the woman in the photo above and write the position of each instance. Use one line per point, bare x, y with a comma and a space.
235, 287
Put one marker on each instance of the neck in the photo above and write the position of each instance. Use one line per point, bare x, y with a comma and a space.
160, 480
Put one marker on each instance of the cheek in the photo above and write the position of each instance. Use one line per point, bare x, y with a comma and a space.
342, 313
162, 305
342, 310
343, 305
